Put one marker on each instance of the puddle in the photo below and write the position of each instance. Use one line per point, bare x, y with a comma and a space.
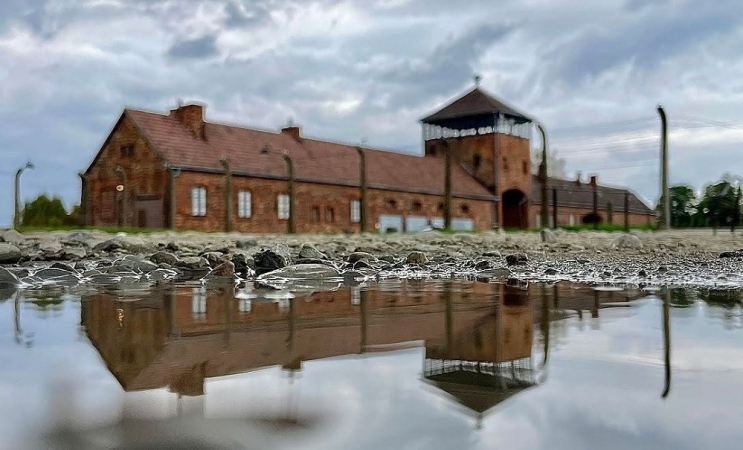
394, 363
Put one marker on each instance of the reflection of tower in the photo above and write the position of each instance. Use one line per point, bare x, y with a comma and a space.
486, 360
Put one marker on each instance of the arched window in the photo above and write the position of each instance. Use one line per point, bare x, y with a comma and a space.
244, 204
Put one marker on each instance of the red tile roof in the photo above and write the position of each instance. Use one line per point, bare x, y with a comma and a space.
314, 160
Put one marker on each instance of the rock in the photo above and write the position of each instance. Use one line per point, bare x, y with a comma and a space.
733, 254
135, 244
7, 277
242, 263
79, 238
303, 272
133, 262
548, 237
416, 257
359, 256
56, 275
161, 275
482, 265
551, 271
309, 251
108, 246
74, 253
51, 250
164, 257
268, 260
193, 262
172, 246
246, 243
626, 241
516, 259
12, 237
223, 268
9, 254
63, 266
499, 272
388, 259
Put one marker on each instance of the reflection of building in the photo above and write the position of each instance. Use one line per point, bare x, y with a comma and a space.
178, 337
490, 361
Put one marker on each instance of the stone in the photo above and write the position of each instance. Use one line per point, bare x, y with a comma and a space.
482, 265
193, 262
302, 271
51, 250
309, 251
12, 237
551, 271
388, 259
626, 241
74, 253
358, 256
733, 254
108, 246
7, 277
161, 275
136, 263
268, 260
499, 272
416, 257
172, 246
56, 275
548, 237
223, 268
9, 254
246, 243
516, 259
79, 238
164, 257
63, 266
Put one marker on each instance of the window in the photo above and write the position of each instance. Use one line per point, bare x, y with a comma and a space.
525, 167
244, 204
355, 211
441, 207
391, 203
476, 160
198, 201
127, 151
329, 215
244, 305
505, 164
198, 303
465, 208
282, 202
417, 206
315, 213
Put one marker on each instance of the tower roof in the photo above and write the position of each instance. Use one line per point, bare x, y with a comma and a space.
475, 103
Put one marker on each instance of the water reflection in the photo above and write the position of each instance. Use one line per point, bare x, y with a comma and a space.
478, 338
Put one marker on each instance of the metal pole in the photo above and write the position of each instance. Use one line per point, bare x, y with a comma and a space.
626, 211
227, 195
554, 208
666, 224
290, 172
447, 185
362, 182
174, 172
17, 207
543, 180
667, 342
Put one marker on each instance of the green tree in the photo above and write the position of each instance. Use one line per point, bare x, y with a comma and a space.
718, 206
683, 205
44, 211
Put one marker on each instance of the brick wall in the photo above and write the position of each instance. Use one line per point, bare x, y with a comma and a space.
264, 213
564, 213
146, 177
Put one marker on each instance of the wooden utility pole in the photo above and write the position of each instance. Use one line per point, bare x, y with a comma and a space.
290, 172
664, 192
626, 211
174, 172
544, 213
554, 208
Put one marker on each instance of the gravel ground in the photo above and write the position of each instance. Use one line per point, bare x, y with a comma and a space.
678, 257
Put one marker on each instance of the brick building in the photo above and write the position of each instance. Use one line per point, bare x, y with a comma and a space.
179, 171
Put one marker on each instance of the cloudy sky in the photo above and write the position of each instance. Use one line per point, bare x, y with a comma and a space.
591, 72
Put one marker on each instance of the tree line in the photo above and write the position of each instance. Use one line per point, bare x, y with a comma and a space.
718, 206
44, 211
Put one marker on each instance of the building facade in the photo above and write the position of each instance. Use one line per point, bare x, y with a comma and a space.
179, 171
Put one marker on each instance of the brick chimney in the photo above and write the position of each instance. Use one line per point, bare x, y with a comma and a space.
594, 181
293, 131
577, 179
192, 117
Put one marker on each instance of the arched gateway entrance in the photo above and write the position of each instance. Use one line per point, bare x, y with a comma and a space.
515, 209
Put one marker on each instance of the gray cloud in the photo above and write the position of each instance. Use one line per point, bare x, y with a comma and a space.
203, 47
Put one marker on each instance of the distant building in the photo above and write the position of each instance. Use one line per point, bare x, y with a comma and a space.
179, 171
